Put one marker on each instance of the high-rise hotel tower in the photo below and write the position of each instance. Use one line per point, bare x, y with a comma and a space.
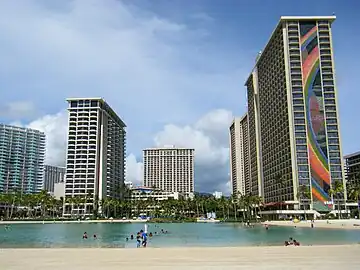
95, 161
293, 115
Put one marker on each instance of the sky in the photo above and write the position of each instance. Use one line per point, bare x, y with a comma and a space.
174, 71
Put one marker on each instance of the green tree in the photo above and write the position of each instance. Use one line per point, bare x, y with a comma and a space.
353, 190
337, 191
303, 196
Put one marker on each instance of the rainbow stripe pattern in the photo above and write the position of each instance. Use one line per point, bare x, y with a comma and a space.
317, 146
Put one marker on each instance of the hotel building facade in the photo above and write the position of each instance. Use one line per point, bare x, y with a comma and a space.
22, 155
239, 156
169, 169
294, 129
95, 161
52, 176
352, 166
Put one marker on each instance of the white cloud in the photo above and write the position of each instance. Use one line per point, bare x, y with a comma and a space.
55, 128
211, 158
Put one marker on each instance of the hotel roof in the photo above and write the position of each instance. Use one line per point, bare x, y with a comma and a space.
289, 18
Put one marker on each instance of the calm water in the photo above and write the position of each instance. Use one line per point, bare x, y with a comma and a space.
179, 234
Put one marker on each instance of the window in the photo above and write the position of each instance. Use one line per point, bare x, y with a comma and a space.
333, 148
333, 141
300, 134
331, 121
335, 160
301, 148
302, 154
94, 103
73, 104
299, 128
336, 168
303, 168
329, 95
299, 121
302, 161
332, 134
299, 115
334, 154
300, 141
330, 101
336, 175
298, 102
303, 175
297, 95
330, 115
332, 128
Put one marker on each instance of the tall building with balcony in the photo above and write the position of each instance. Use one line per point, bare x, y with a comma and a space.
239, 156
169, 169
95, 161
352, 166
293, 116
52, 176
22, 155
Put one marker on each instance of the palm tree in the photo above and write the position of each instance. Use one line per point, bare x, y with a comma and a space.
303, 195
353, 190
337, 190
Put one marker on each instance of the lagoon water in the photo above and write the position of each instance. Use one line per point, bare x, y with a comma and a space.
179, 235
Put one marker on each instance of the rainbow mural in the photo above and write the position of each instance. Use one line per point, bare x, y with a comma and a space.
316, 133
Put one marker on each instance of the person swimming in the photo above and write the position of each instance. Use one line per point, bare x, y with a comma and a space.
138, 240
150, 234
95, 237
85, 235
131, 236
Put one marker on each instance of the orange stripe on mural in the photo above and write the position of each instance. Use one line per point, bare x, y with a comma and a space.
318, 195
318, 167
308, 34
309, 62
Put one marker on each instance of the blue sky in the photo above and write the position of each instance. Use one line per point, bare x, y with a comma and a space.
173, 70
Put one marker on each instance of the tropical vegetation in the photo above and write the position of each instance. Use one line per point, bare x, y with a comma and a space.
44, 206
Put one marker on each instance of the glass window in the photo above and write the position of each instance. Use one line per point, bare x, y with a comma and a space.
298, 108
335, 161
298, 102
299, 121
331, 121
299, 128
332, 128
330, 101
94, 103
329, 95
330, 115
297, 95
299, 114
333, 148
300, 141
332, 134
330, 108
333, 141
336, 175
297, 90
300, 134
302, 161
336, 168
73, 104
303, 168
302, 147
303, 175
334, 154
302, 154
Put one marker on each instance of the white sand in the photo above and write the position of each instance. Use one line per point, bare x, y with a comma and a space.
303, 257
325, 224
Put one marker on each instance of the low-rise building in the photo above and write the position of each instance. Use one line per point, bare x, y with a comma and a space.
218, 194
146, 193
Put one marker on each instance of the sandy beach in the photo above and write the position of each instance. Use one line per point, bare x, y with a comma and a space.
347, 224
303, 257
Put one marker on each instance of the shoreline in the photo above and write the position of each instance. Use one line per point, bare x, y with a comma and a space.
277, 257
12, 222
343, 224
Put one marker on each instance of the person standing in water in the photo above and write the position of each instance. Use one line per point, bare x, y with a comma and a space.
138, 240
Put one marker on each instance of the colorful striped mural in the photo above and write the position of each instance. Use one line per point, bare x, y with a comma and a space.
316, 133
